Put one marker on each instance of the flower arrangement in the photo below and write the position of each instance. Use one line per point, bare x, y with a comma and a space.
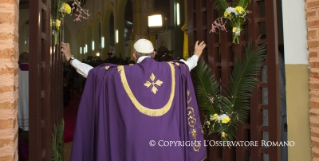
224, 112
233, 17
64, 8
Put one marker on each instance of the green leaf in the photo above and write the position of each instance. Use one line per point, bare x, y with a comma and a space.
242, 82
57, 152
221, 6
206, 85
242, 3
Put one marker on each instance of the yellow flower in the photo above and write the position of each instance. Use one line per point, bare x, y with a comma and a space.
234, 29
225, 120
239, 9
214, 117
66, 8
223, 134
57, 23
226, 14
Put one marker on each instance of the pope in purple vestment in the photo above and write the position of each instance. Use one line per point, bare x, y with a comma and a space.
142, 112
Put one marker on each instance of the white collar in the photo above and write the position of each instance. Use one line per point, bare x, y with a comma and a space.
140, 59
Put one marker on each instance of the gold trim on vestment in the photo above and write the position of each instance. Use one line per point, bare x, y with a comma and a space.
147, 111
192, 122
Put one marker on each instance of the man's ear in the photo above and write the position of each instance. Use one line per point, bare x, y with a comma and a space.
135, 57
154, 53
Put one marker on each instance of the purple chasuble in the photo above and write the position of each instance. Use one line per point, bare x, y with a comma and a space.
144, 112
24, 67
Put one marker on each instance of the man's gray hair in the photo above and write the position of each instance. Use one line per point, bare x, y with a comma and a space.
142, 54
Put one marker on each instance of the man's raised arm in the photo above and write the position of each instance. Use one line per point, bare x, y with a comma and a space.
82, 68
192, 61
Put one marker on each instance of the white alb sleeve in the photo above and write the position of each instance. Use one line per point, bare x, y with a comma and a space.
191, 62
81, 68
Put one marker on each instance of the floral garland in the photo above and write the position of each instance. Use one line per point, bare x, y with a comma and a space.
64, 8
234, 17
223, 113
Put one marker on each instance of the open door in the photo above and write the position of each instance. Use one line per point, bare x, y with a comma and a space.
220, 54
46, 104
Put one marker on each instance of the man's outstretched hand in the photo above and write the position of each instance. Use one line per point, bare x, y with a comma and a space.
199, 48
65, 49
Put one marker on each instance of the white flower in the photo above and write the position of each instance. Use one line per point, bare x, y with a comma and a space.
222, 117
231, 10
237, 32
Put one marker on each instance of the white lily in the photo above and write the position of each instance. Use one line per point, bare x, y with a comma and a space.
231, 10
221, 117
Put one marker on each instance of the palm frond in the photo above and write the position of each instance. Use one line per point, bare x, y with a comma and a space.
54, 150
57, 151
242, 3
221, 5
61, 141
236, 104
206, 85
242, 82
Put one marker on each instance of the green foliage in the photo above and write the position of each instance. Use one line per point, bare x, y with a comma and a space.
220, 5
241, 81
243, 3
57, 153
236, 102
209, 86
233, 16
58, 6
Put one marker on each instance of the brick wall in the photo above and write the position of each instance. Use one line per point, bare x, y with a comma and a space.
9, 50
312, 16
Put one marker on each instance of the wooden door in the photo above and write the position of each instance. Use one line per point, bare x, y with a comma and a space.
45, 89
220, 53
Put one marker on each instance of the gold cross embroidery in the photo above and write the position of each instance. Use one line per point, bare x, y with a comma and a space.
153, 83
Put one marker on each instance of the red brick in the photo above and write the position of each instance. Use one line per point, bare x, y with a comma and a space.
9, 36
7, 89
9, 105
313, 23
314, 64
4, 142
313, 124
7, 1
315, 155
7, 18
312, 34
314, 104
313, 44
312, 4
313, 54
311, 14
9, 71
314, 75
7, 124
315, 134
7, 158
7, 53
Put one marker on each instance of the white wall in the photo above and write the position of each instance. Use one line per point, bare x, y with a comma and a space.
295, 32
